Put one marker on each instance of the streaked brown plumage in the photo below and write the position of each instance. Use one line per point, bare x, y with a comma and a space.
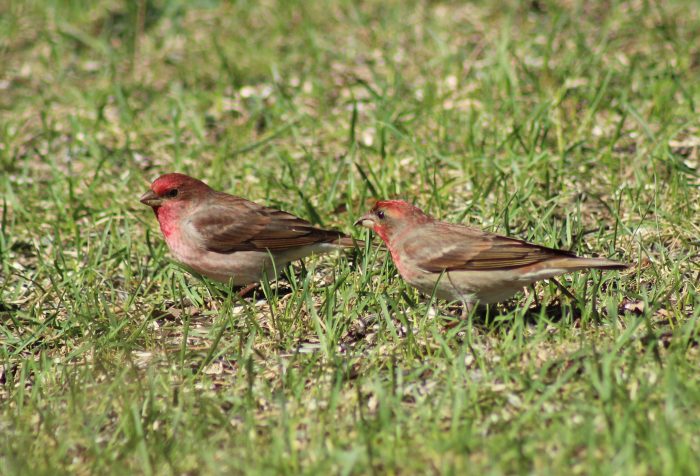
466, 264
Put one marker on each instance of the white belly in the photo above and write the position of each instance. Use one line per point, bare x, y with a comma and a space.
241, 267
470, 286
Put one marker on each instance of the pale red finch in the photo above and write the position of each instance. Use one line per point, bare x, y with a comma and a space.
466, 264
228, 238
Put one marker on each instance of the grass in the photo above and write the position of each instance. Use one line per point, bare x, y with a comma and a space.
569, 123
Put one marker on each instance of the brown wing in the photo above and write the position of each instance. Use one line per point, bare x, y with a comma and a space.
469, 249
236, 224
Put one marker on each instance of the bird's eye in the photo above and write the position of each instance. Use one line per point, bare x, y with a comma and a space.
380, 214
172, 193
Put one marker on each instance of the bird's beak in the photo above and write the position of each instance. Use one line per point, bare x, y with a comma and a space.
151, 199
366, 220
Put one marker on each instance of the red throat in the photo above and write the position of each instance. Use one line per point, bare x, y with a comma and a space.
168, 216
383, 233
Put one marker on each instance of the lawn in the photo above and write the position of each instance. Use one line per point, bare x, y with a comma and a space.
570, 123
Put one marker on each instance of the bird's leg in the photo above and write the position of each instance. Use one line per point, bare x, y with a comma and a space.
466, 309
531, 289
534, 295
247, 289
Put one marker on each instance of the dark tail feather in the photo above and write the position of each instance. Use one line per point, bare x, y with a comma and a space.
596, 263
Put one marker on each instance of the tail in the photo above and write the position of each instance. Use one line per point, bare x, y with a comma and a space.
573, 264
349, 242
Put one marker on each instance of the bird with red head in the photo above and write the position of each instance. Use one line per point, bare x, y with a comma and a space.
229, 238
461, 263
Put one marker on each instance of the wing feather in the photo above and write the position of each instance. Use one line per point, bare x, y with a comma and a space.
469, 249
235, 224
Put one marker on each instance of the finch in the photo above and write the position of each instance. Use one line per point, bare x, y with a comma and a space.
461, 263
231, 239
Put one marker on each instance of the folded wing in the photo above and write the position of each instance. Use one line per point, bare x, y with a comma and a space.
236, 224
469, 249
